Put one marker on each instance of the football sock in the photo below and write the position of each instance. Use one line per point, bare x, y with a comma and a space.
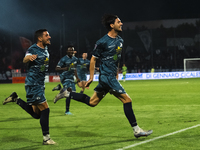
80, 97
81, 92
44, 121
27, 108
46, 137
68, 99
136, 128
129, 114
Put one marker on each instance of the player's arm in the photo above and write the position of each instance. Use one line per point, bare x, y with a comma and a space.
92, 68
28, 58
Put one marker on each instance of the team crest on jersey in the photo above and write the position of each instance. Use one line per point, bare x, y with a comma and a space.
119, 49
46, 61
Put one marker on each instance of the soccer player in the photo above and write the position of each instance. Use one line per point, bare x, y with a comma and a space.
108, 49
82, 71
67, 70
37, 59
124, 70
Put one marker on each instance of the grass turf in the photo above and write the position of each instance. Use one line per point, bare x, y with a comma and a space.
165, 106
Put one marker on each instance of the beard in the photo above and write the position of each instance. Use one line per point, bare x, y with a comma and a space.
118, 31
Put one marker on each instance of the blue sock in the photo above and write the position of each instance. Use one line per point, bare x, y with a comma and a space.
27, 108
129, 114
80, 97
68, 99
44, 121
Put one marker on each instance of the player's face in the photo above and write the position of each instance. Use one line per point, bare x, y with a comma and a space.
46, 38
84, 55
117, 25
70, 51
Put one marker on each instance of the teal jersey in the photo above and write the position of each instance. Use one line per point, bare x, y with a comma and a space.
82, 66
108, 50
38, 67
71, 63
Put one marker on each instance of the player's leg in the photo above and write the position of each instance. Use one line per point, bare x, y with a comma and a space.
124, 76
83, 86
28, 108
127, 104
39, 102
44, 122
57, 88
79, 84
71, 87
90, 101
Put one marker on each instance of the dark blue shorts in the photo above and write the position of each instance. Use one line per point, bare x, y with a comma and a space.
69, 84
109, 83
82, 77
35, 94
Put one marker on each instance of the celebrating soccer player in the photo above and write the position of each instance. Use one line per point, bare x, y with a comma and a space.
108, 49
37, 58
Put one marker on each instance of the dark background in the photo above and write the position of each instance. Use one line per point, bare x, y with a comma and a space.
78, 22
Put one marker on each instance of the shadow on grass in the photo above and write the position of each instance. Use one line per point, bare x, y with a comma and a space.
19, 140
98, 146
15, 119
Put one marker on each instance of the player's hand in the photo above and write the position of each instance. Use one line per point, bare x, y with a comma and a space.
88, 83
33, 57
66, 68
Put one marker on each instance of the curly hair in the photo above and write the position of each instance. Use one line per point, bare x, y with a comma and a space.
108, 19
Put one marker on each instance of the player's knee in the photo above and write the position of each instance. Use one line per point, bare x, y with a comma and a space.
93, 104
36, 116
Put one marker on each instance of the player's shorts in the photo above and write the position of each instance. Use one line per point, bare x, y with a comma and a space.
109, 83
124, 73
82, 77
35, 94
69, 84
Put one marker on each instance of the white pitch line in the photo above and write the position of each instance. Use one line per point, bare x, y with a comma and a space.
159, 137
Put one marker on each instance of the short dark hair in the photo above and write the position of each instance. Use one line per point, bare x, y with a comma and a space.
69, 46
39, 33
108, 19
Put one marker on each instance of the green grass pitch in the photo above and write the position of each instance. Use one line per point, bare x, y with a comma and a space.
165, 106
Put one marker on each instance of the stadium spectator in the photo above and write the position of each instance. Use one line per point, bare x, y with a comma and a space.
108, 49
37, 58
67, 70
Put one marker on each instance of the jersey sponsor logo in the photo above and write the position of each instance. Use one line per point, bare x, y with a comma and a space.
45, 66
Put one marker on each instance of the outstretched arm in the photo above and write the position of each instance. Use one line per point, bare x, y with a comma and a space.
92, 68
29, 58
